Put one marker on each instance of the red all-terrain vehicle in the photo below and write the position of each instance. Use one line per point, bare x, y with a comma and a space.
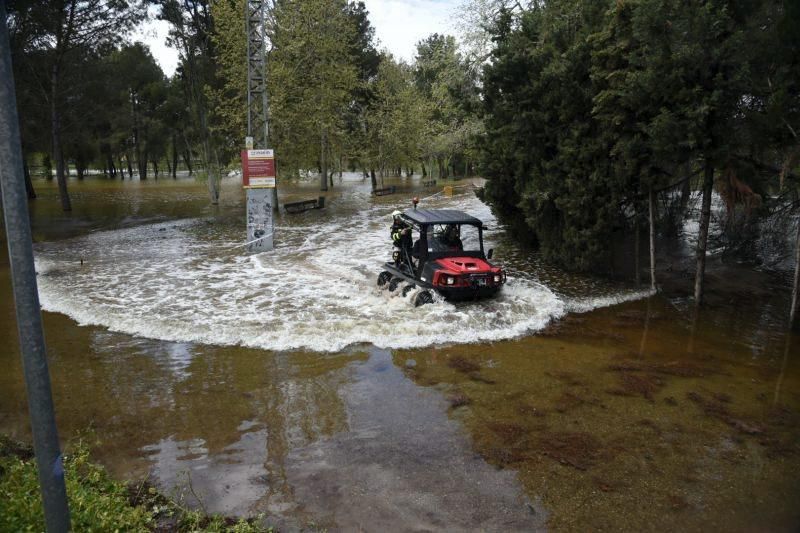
446, 256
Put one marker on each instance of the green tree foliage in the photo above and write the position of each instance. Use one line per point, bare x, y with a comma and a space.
228, 98
541, 139
397, 119
367, 60
590, 105
312, 76
138, 89
62, 36
192, 27
477, 20
450, 90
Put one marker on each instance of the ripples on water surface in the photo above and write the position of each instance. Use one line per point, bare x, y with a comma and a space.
625, 418
191, 281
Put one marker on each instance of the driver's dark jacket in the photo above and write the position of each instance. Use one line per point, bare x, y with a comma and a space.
399, 238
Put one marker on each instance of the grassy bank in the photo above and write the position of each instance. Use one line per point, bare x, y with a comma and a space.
97, 503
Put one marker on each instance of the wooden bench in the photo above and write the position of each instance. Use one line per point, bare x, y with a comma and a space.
384, 191
304, 205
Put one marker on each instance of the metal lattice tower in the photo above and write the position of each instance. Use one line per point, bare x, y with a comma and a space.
257, 106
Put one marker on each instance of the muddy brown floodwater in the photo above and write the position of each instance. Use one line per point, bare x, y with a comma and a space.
570, 404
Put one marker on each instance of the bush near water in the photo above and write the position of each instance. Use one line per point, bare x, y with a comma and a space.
589, 106
97, 503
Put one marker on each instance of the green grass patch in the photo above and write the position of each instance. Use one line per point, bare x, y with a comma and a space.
97, 502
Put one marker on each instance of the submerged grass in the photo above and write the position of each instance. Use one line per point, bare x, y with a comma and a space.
97, 502
624, 436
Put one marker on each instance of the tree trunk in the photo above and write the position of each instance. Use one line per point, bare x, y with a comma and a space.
174, 157
141, 166
26, 171
47, 163
323, 161
58, 154
793, 312
187, 153
212, 169
373, 179
79, 168
652, 209
112, 170
141, 159
130, 165
187, 160
155, 168
424, 171
686, 191
702, 238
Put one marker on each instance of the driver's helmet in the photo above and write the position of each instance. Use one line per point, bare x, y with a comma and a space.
396, 213
451, 232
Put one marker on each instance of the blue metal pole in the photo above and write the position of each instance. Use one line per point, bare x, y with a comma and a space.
26, 298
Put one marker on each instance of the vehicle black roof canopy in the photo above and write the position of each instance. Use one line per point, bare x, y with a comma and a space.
440, 216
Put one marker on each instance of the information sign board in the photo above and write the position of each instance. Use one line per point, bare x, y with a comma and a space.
258, 169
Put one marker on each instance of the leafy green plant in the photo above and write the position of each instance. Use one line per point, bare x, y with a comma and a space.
97, 502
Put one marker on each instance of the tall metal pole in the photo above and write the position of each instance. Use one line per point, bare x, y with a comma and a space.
247, 23
26, 298
264, 100
261, 203
257, 110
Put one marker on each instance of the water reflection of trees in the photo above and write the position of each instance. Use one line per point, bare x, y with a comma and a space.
143, 398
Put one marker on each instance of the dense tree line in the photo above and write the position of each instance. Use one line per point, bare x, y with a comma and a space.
602, 116
337, 103
90, 99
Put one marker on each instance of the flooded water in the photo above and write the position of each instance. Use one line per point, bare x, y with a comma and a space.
288, 384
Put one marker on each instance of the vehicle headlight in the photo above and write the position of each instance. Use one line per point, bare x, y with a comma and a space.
497, 278
450, 280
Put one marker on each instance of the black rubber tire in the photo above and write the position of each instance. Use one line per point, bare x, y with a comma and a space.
407, 289
394, 283
383, 278
423, 298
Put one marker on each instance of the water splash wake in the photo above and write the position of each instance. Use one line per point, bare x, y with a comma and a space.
179, 281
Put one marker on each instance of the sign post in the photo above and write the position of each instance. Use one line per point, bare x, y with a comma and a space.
258, 166
258, 179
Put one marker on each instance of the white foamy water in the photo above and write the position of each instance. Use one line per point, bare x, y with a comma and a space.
187, 281
584, 305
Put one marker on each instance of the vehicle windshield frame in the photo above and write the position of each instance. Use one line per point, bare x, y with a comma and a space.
425, 250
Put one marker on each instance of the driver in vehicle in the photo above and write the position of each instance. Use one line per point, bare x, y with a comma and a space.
451, 239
